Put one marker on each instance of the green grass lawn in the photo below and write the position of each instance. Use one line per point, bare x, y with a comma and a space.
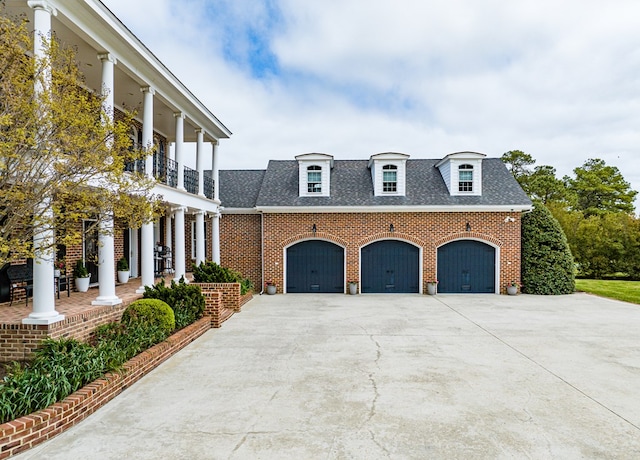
628, 291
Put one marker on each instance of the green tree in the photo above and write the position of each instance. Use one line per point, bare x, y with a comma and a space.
547, 263
518, 163
59, 147
543, 185
600, 188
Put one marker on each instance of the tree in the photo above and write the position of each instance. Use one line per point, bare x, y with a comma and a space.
62, 157
518, 163
547, 263
543, 185
600, 188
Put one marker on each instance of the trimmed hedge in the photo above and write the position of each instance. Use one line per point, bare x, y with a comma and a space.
186, 300
547, 263
151, 311
211, 272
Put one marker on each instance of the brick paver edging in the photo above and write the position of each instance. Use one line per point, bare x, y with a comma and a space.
28, 431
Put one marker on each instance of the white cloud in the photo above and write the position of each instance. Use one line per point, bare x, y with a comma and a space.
558, 80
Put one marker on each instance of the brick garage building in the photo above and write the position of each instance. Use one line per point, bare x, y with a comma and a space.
391, 223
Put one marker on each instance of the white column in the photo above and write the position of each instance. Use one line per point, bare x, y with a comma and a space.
200, 160
200, 238
44, 302
146, 235
108, 63
214, 171
106, 265
168, 236
215, 237
179, 147
135, 255
179, 255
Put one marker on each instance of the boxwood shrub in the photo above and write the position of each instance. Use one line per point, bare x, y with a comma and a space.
155, 312
186, 300
211, 272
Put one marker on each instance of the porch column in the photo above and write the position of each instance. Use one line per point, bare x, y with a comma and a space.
135, 256
200, 160
200, 237
167, 236
215, 237
179, 253
146, 235
106, 266
44, 301
179, 147
214, 171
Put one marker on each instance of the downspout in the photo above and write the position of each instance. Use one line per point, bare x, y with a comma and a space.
262, 252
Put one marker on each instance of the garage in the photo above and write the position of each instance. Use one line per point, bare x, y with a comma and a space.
390, 266
315, 266
466, 266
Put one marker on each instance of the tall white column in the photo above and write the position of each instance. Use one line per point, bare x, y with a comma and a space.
44, 301
200, 160
106, 265
200, 238
179, 253
146, 235
215, 237
168, 236
179, 147
135, 254
214, 171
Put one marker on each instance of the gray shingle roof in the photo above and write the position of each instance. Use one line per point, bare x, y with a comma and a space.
240, 188
351, 185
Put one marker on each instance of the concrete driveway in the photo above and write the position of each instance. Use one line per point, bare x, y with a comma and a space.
386, 376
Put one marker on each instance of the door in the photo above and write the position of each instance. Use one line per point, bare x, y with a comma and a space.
315, 266
390, 266
466, 266
91, 249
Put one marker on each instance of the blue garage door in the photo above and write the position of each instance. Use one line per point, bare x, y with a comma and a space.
466, 266
390, 266
315, 266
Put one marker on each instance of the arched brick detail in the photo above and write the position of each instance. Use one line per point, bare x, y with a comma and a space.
390, 236
467, 236
312, 236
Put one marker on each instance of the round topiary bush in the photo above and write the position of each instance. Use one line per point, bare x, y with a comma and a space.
151, 311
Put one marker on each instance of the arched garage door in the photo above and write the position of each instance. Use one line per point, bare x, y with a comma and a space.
315, 266
390, 266
466, 266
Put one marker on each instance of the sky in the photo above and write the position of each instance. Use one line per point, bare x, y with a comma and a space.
559, 80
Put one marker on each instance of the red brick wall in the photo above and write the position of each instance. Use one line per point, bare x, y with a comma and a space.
240, 246
352, 231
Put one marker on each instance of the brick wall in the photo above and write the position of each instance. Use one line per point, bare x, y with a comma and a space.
240, 246
353, 231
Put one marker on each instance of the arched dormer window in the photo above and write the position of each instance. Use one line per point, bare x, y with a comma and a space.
389, 178
314, 179
465, 178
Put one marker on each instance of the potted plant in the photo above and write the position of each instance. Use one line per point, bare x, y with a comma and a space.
271, 287
58, 268
432, 287
512, 288
82, 276
353, 287
123, 270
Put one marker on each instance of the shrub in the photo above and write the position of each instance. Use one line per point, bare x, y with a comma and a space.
211, 272
547, 263
186, 300
153, 312
123, 265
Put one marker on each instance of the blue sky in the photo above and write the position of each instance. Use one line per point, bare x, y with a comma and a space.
558, 80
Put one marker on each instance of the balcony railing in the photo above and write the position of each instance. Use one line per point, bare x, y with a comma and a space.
165, 170
191, 180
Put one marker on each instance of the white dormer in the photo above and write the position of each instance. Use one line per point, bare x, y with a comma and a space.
389, 173
462, 172
314, 171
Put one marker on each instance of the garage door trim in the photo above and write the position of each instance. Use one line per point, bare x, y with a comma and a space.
420, 258
302, 240
488, 243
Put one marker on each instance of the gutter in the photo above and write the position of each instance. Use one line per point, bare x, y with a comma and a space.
262, 253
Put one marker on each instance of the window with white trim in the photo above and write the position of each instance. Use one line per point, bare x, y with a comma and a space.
465, 178
389, 178
314, 179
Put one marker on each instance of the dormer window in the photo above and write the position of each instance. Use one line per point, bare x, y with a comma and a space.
314, 179
390, 178
465, 178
